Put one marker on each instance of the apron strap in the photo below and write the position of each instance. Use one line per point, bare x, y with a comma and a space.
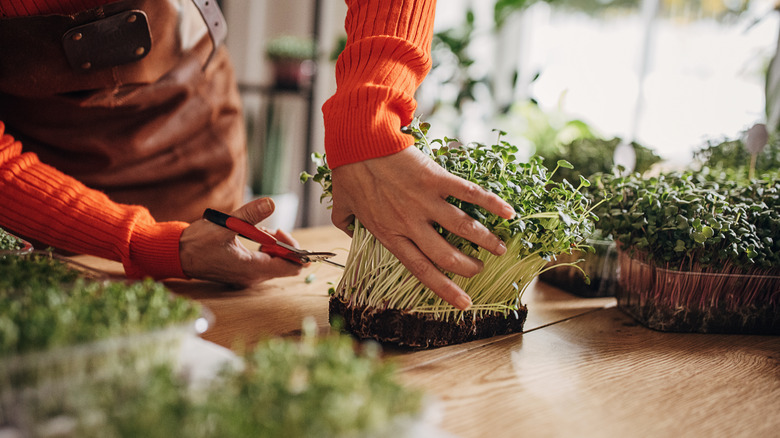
215, 21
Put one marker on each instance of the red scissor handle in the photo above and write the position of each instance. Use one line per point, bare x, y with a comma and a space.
268, 243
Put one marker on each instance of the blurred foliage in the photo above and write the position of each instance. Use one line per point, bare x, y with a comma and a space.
687, 9
319, 386
593, 155
290, 47
731, 156
702, 9
341, 44
545, 131
452, 62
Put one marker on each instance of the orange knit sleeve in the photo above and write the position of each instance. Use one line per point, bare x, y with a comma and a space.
386, 58
21, 8
42, 203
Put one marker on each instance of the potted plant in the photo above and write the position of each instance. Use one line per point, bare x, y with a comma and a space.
379, 298
698, 252
595, 274
291, 60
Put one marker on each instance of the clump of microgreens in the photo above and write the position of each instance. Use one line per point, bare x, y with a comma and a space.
320, 385
680, 219
44, 303
725, 232
593, 276
551, 218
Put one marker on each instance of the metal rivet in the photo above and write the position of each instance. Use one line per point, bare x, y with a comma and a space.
77, 36
86, 66
140, 51
132, 18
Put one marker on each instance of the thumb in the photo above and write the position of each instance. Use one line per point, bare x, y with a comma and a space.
342, 219
255, 211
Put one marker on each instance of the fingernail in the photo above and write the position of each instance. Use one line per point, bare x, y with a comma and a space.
266, 206
463, 302
501, 250
510, 212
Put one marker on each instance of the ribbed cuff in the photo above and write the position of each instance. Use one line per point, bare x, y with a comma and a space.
366, 123
154, 251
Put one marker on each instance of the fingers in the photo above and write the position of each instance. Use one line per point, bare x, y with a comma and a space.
443, 254
273, 267
255, 211
210, 252
342, 219
422, 268
474, 194
458, 222
283, 236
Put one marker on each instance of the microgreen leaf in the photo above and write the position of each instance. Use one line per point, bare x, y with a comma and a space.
565, 164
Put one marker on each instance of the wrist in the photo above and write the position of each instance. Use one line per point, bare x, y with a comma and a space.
154, 251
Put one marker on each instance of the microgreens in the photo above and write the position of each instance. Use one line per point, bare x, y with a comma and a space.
551, 218
44, 303
681, 219
320, 385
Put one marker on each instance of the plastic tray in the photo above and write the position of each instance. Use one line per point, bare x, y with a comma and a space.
701, 302
34, 384
600, 266
25, 249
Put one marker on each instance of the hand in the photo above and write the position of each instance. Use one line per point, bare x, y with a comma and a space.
211, 252
399, 197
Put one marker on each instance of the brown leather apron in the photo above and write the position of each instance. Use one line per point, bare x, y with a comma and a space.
164, 131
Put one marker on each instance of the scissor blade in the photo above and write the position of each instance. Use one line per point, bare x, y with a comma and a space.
323, 257
331, 262
291, 248
268, 243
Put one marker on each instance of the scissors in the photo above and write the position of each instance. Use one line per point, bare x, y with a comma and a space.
268, 243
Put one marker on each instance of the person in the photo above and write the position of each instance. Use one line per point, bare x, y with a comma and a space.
395, 191
112, 146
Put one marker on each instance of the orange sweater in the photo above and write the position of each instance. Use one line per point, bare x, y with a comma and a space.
386, 57
23, 8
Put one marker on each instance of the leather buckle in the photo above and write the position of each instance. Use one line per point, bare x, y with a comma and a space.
108, 42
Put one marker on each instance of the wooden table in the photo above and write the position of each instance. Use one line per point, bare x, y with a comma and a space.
581, 368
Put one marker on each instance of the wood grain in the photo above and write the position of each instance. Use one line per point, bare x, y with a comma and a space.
600, 374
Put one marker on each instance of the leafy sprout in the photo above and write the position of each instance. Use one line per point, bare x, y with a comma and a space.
551, 218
